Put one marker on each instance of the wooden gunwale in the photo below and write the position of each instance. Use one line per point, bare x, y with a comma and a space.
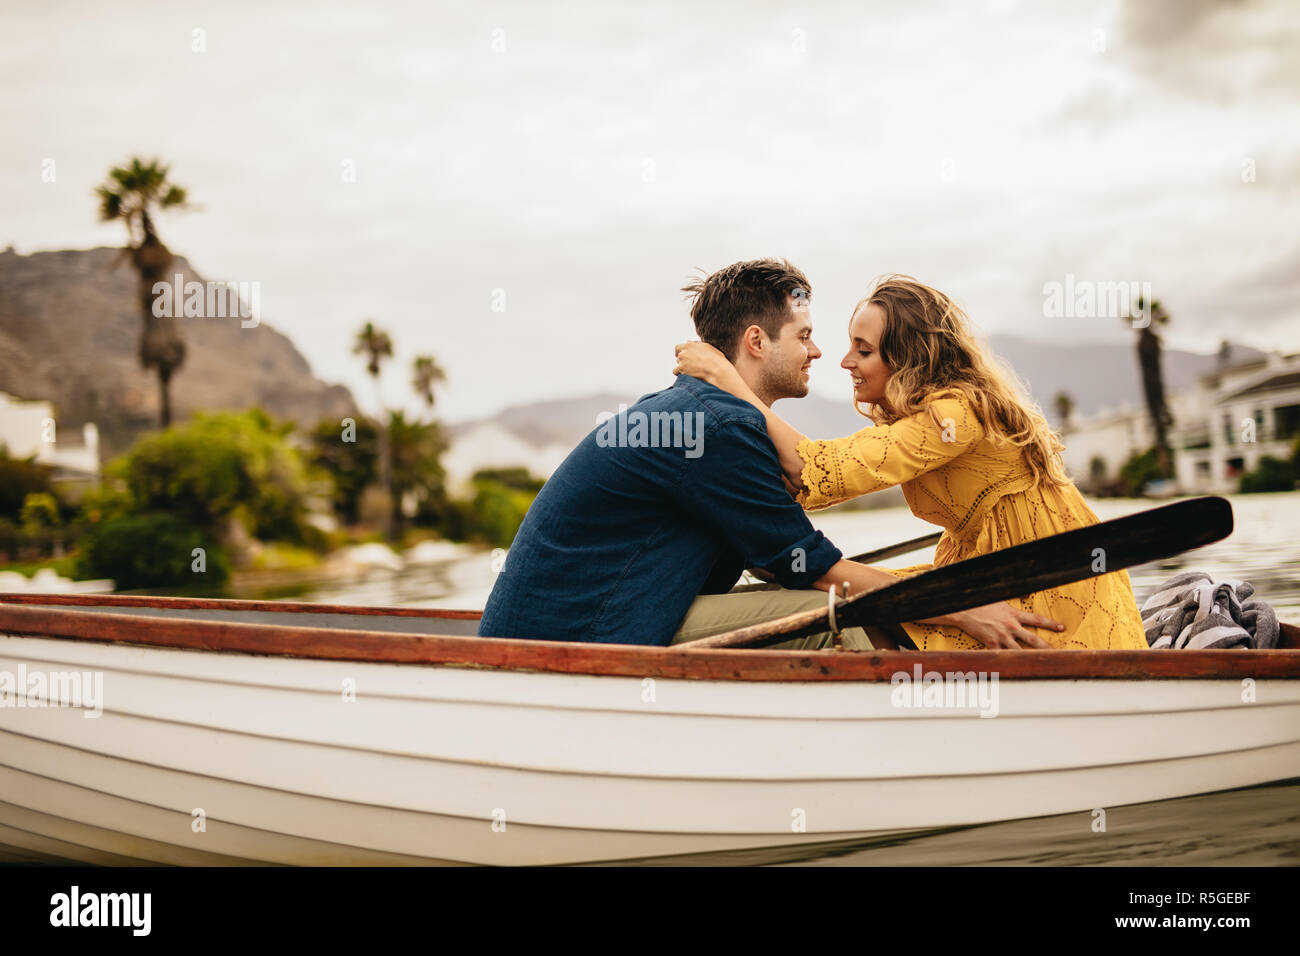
31, 615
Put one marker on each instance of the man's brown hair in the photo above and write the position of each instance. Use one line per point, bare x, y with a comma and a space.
758, 292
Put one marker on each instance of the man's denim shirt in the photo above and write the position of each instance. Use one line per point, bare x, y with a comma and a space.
625, 535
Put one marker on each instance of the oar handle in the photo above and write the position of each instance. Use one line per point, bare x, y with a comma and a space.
894, 550
866, 557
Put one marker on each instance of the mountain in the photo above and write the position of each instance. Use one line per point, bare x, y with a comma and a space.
70, 332
1101, 376
1095, 376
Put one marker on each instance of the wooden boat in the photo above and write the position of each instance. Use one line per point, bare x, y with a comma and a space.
227, 736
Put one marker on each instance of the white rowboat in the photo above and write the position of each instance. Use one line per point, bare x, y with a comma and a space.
237, 732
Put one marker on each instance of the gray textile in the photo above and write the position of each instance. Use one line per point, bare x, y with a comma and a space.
1192, 610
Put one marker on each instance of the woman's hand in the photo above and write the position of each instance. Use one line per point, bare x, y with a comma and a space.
703, 361
706, 363
1000, 626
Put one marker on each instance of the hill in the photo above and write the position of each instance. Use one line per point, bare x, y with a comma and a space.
1096, 377
70, 330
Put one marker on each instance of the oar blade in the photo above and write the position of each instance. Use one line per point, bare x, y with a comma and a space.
1048, 562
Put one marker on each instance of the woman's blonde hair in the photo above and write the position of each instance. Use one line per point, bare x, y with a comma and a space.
928, 345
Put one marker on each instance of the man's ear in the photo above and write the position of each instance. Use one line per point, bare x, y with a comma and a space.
753, 342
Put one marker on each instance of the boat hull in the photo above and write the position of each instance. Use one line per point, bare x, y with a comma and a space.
217, 757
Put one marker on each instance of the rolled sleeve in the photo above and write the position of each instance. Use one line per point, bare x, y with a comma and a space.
736, 484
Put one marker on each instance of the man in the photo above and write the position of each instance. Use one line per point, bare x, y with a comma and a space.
672, 498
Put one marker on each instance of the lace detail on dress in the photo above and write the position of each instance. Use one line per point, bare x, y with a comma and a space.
979, 499
880, 456
820, 474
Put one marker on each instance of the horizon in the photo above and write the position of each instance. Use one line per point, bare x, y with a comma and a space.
824, 392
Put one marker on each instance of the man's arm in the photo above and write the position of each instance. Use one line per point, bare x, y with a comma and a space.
994, 625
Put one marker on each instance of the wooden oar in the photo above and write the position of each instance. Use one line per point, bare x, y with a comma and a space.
866, 557
894, 550
1010, 573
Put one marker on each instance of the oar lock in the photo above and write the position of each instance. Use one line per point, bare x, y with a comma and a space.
837, 639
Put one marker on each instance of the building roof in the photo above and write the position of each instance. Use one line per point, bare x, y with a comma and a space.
1273, 383
1213, 378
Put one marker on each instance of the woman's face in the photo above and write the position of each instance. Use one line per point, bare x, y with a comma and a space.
863, 361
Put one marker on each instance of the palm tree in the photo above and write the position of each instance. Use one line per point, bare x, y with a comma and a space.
134, 194
1153, 387
1064, 408
427, 374
417, 470
376, 346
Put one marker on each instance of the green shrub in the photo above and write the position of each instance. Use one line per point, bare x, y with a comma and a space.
1139, 471
497, 512
104, 503
350, 465
1273, 474
40, 512
520, 479
492, 516
18, 479
151, 551
217, 465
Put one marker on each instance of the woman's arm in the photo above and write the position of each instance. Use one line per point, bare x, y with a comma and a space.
703, 361
827, 471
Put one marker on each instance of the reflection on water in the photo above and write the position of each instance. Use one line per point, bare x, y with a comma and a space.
1256, 826
1259, 826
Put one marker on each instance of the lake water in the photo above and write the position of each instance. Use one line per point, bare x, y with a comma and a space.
1261, 550
1257, 826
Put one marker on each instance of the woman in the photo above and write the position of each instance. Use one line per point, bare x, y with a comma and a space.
970, 454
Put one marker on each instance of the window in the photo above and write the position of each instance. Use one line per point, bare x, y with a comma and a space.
1286, 421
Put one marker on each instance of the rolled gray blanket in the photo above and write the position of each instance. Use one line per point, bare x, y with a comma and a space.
1192, 610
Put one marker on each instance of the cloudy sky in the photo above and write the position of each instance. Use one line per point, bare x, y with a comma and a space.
577, 161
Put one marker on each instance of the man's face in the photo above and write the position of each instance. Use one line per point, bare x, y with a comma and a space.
786, 371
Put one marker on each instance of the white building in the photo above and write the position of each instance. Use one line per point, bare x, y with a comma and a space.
1222, 427
1255, 413
28, 429
1096, 448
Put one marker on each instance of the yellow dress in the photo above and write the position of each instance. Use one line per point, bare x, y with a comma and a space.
980, 491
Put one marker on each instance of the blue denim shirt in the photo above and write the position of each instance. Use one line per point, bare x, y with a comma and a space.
671, 498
